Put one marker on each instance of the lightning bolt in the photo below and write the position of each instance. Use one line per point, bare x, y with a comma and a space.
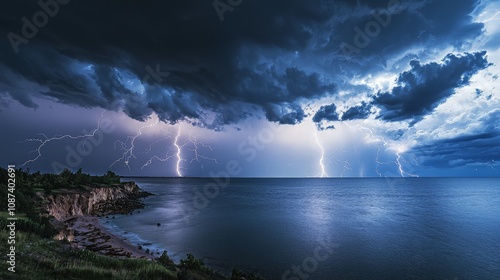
379, 163
346, 166
196, 146
179, 148
42, 142
129, 146
494, 17
156, 157
197, 155
179, 158
400, 167
148, 150
128, 153
397, 152
321, 164
491, 165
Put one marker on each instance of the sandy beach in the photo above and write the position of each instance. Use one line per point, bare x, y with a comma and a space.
87, 232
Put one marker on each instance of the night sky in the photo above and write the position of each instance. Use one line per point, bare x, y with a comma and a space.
252, 87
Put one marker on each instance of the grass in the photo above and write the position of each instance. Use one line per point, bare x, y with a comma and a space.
5, 215
43, 259
40, 258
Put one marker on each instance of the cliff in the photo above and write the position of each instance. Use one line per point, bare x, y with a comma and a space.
116, 199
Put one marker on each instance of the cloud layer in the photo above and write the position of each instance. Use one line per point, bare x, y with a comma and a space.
191, 64
422, 88
393, 62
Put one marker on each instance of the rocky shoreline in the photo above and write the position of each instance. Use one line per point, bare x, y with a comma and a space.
88, 233
76, 217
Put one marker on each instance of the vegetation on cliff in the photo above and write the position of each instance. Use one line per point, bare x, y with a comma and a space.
28, 203
39, 256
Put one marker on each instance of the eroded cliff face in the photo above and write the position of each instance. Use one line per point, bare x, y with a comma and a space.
116, 199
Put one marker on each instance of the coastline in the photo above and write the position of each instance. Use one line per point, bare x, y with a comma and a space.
90, 234
63, 233
77, 218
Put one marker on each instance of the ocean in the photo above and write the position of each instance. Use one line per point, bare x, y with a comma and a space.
324, 228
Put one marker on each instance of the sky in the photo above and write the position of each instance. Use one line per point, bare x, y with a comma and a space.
390, 88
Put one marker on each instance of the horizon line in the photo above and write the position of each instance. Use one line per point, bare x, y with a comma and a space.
270, 177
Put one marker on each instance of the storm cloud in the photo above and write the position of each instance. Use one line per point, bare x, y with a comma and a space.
198, 63
410, 64
327, 113
423, 87
178, 60
361, 111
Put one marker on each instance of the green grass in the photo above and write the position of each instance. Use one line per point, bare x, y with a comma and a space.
5, 215
39, 258
45, 259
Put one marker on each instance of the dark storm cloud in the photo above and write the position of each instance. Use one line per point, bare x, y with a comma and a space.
424, 87
480, 148
237, 68
326, 113
384, 28
472, 148
361, 111
291, 114
185, 38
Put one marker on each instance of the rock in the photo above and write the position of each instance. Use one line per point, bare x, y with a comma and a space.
105, 202
102, 201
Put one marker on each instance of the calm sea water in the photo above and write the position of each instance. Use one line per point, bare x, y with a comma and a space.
419, 228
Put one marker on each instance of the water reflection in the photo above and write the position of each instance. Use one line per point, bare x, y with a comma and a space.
412, 229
